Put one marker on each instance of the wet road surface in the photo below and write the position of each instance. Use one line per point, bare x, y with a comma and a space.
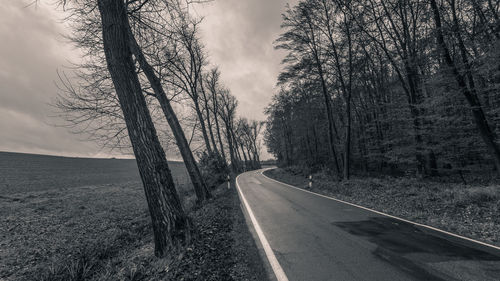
316, 238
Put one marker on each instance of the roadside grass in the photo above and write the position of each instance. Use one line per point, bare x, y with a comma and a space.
69, 234
223, 250
77, 233
103, 232
471, 210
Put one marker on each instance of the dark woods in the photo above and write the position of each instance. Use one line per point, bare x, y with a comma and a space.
389, 86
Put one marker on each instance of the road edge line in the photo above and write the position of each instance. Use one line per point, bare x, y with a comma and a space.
384, 214
273, 261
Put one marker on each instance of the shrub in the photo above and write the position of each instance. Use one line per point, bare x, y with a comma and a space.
477, 196
213, 169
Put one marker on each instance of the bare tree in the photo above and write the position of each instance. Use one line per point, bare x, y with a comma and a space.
185, 59
227, 112
171, 226
202, 192
212, 79
90, 105
302, 38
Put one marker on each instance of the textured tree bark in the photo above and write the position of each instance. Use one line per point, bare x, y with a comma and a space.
236, 148
219, 138
234, 161
346, 89
200, 187
256, 156
251, 158
203, 128
347, 148
209, 123
331, 130
171, 226
245, 158
471, 97
328, 102
414, 99
215, 111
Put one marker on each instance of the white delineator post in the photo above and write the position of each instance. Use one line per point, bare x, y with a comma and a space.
310, 181
228, 181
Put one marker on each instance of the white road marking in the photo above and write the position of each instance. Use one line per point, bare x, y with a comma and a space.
275, 265
384, 214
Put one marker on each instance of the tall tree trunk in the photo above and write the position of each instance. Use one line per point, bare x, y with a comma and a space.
414, 99
251, 158
245, 158
286, 156
346, 90
203, 128
217, 126
199, 185
331, 129
211, 133
328, 102
236, 147
315, 138
234, 162
171, 226
347, 148
209, 123
471, 97
256, 156
219, 138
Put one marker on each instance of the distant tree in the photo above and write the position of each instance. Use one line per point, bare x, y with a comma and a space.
212, 80
227, 113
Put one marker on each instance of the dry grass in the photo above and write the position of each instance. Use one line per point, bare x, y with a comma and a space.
53, 228
111, 239
471, 210
73, 234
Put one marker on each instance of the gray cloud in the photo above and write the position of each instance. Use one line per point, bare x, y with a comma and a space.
31, 51
238, 35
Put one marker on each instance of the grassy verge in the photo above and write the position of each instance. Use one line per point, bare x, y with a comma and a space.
469, 210
103, 232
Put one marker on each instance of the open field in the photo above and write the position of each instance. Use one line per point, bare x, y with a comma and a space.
40, 229
54, 208
469, 210
21, 172
97, 227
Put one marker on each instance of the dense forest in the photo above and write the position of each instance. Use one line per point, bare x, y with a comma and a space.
397, 87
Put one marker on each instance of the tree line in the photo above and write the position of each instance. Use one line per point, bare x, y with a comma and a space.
146, 85
392, 86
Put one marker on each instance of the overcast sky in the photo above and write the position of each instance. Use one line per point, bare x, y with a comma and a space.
238, 34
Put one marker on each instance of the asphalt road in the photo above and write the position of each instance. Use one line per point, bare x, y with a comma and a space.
316, 238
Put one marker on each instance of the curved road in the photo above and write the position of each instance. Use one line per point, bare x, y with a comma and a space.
311, 237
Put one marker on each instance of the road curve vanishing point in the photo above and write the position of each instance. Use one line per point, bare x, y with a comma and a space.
314, 237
